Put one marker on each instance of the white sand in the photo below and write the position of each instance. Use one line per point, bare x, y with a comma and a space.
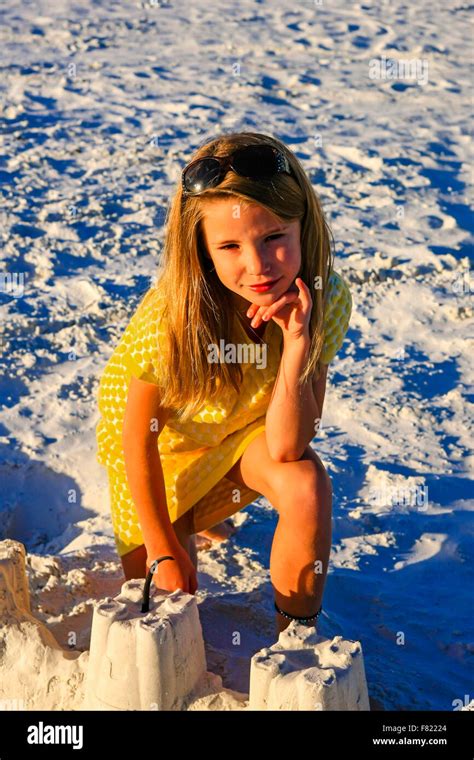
103, 103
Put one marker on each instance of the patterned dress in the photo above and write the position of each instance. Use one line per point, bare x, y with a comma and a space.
195, 455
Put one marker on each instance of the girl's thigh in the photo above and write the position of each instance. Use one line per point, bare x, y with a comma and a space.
257, 470
251, 469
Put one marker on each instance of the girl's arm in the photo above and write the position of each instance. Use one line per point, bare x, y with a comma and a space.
290, 422
143, 421
292, 411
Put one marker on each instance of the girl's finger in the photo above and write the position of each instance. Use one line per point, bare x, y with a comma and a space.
283, 301
304, 293
252, 310
257, 316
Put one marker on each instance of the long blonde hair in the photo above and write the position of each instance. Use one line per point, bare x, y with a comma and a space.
197, 303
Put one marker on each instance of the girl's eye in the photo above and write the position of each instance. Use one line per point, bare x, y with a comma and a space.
270, 237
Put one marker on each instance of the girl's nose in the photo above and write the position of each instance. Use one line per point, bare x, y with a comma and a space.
256, 263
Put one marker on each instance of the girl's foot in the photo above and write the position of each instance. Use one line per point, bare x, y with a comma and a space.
220, 532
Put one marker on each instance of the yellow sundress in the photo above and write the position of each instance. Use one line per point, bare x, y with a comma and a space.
197, 454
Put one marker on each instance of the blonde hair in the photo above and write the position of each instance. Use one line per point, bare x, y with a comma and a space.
197, 303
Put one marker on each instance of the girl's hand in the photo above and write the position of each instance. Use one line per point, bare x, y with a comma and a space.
179, 572
291, 312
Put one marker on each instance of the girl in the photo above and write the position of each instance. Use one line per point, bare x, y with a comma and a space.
189, 440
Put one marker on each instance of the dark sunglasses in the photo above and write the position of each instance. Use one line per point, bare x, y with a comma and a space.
252, 161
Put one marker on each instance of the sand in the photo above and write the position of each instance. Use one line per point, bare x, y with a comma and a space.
102, 105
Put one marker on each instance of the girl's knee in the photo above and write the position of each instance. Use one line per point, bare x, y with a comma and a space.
304, 487
314, 472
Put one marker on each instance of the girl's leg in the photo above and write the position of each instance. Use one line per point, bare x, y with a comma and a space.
301, 493
301, 546
133, 563
183, 527
220, 532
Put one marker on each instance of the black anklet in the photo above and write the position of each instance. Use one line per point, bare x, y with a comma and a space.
295, 617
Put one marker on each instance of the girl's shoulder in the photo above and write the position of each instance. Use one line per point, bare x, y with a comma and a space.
337, 314
144, 343
338, 289
151, 303
148, 319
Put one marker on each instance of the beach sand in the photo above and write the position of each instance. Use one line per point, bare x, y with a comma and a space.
102, 106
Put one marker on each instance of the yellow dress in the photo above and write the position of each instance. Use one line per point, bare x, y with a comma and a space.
195, 455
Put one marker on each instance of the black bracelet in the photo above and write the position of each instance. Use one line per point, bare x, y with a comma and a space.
296, 617
146, 589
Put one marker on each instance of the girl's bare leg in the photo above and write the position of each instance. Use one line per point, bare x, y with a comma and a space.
134, 563
301, 493
219, 532
300, 554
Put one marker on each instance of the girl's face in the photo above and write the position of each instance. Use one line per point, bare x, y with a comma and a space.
249, 246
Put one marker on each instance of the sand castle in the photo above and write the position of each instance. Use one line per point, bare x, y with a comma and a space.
35, 671
166, 659
156, 660
305, 671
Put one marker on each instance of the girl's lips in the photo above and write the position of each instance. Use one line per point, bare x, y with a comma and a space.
265, 286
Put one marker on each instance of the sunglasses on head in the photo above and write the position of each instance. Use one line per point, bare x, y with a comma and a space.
251, 161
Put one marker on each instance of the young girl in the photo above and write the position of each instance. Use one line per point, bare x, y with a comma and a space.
189, 440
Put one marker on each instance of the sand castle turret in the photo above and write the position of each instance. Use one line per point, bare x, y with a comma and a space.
306, 671
35, 672
144, 661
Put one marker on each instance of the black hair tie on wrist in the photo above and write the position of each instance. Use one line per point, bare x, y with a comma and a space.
146, 590
296, 617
